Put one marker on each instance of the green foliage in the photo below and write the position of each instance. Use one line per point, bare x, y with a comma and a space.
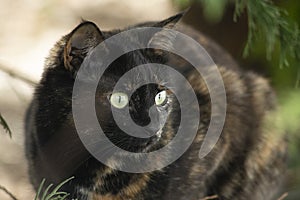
269, 23
5, 125
214, 9
55, 194
289, 121
290, 111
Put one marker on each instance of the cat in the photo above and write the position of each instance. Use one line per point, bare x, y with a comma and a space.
248, 161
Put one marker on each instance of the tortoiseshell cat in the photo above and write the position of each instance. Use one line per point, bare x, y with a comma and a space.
247, 162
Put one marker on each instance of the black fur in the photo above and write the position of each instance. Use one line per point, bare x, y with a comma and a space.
239, 167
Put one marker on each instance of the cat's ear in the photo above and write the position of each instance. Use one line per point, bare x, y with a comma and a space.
81, 40
171, 21
165, 38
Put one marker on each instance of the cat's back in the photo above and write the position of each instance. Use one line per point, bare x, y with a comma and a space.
249, 159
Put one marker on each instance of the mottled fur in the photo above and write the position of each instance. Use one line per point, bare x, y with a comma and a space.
248, 161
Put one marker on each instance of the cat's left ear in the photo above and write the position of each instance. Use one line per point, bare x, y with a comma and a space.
171, 21
80, 42
164, 38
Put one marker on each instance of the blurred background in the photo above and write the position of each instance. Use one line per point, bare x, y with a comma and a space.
29, 29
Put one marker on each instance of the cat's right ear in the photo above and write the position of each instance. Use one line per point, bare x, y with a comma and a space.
80, 42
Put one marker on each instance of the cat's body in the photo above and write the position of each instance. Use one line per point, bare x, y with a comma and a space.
247, 162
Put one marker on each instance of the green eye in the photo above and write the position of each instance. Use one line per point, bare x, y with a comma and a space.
119, 100
161, 97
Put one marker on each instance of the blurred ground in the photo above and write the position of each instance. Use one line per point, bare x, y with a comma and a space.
29, 28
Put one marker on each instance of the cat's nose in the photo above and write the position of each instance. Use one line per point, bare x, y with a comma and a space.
157, 120
144, 124
153, 125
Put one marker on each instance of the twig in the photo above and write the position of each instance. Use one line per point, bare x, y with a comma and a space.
282, 197
210, 197
5, 125
17, 75
8, 193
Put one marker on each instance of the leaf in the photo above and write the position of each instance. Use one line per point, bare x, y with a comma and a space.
55, 190
46, 191
55, 194
39, 190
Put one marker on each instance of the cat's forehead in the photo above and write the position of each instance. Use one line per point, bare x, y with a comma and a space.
131, 80
136, 66
127, 39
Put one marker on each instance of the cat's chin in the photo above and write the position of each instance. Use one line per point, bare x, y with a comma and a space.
144, 145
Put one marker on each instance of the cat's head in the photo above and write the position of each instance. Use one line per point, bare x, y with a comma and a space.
86, 36
150, 105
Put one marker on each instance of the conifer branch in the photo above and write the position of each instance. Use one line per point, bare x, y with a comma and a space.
267, 22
